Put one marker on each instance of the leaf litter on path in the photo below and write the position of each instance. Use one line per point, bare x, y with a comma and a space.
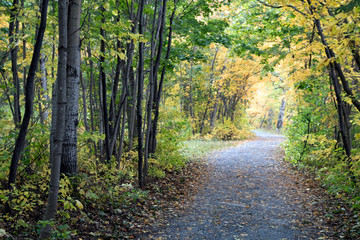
250, 193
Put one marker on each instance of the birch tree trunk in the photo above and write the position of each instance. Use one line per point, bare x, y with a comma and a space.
58, 122
69, 156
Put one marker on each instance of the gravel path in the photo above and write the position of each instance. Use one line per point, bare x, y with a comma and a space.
249, 195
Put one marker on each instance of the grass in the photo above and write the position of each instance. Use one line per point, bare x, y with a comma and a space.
195, 149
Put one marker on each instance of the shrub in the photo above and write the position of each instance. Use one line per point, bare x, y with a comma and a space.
228, 131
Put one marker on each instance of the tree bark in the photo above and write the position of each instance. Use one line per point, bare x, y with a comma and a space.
331, 55
153, 133
140, 80
131, 107
83, 87
44, 116
69, 156
13, 29
29, 96
58, 122
102, 77
154, 67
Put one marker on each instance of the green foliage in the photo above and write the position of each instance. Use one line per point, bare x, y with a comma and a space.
168, 155
313, 143
250, 32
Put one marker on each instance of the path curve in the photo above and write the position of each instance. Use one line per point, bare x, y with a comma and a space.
249, 195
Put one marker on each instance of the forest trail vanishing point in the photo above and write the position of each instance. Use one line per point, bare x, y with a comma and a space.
250, 194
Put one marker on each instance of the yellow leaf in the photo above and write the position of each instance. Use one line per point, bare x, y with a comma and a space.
357, 136
67, 205
78, 204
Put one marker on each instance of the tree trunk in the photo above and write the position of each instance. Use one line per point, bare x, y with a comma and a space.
13, 30
331, 55
334, 66
153, 81
83, 87
44, 116
140, 80
69, 156
202, 125
58, 122
132, 84
102, 77
120, 149
280, 120
159, 91
29, 96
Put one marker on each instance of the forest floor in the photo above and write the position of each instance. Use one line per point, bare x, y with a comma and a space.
248, 192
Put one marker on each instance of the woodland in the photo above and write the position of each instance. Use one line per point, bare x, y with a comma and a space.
105, 105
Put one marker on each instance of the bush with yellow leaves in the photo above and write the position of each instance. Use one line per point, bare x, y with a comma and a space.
228, 131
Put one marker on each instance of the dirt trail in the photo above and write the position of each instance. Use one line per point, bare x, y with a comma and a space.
250, 194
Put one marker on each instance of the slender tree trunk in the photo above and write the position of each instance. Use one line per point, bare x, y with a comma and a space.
202, 125
102, 77
120, 149
153, 81
41, 113
58, 122
132, 83
280, 120
217, 99
13, 30
191, 104
133, 117
140, 76
29, 96
153, 133
44, 116
263, 119
117, 120
92, 106
83, 87
69, 156
23, 48
331, 55
341, 108
334, 66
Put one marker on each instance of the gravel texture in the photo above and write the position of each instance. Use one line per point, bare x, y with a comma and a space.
250, 194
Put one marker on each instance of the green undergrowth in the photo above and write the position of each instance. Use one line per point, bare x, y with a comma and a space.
319, 154
101, 200
200, 148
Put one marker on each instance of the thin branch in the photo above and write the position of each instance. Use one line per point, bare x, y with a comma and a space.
183, 11
279, 6
269, 5
297, 10
7, 94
